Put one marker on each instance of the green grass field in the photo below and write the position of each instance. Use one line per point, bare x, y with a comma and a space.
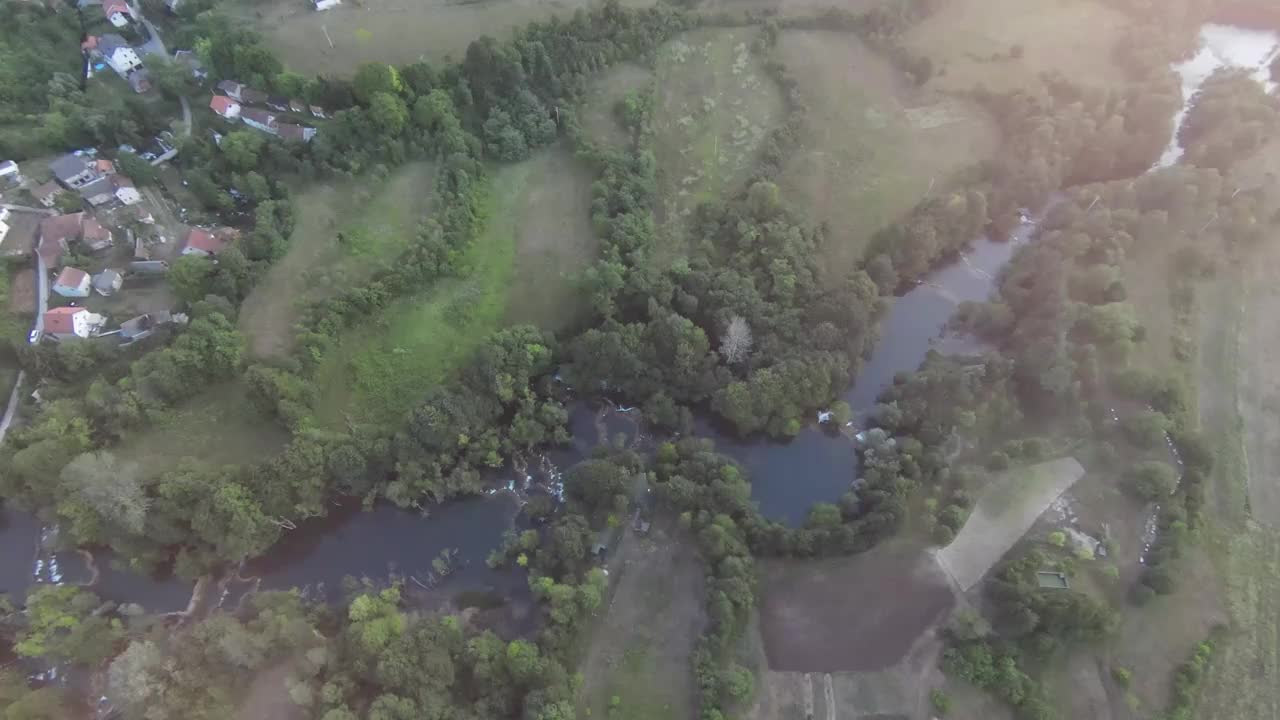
219, 426
872, 144
971, 42
376, 221
554, 241
715, 105
383, 367
391, 31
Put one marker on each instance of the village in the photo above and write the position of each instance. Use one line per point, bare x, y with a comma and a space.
93, 247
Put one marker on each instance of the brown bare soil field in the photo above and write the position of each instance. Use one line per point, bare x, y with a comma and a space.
860, 613
22, 291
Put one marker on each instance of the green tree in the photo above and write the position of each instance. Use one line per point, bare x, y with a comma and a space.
62, 625
136, 169
242, 149
373, 78
1151, 480
191, 277
388, 113
102, 494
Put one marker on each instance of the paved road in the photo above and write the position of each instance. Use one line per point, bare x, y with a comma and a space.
24, 208
12, 407
155, 46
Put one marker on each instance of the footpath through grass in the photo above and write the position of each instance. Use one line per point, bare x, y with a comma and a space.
383, 367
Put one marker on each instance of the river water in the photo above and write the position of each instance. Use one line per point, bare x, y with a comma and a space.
787, 478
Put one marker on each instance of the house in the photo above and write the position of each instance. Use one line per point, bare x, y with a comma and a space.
104, 167
249, 96
122, 58
47, 194
99, 192
108, 282
325, 4
9, 174
297, 106
149, 267
140, 80
317, 111
55, 235
277, 103
65, 323
296, 133
260, 120
117, 12
72, 283
188, 58
204, 243
125, 190
230, 88
73, 171
143, 326
94, 236
225, 106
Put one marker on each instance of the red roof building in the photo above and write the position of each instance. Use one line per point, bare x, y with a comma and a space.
202, 242
224, 106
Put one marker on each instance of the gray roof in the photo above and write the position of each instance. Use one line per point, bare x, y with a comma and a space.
108, 43
4, 166
101, 186
68, 166
107, 279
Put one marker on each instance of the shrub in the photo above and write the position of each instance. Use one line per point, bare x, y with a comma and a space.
941, 701
1122, 676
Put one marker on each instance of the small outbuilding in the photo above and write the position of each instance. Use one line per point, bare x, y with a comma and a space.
108, 282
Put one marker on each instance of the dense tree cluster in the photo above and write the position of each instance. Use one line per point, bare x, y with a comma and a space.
1231, 117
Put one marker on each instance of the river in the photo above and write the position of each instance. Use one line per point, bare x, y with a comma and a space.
787, 478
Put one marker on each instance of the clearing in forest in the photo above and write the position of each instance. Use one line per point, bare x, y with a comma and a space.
642, 645
220, 426
554, 241
1007, 509
857, 613
715, 105
345, 232
1006, 44
382, 367
391, 31
598, 114
872, 144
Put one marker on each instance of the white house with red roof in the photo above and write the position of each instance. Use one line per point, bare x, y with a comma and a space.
72, 283
204, 243
118, 12
66, 323
225, 106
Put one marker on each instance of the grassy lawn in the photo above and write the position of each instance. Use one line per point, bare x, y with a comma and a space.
640, 648
219, 426
970, 42
383, 367
605, 91
873, 144
376, 225
554, 240
391, 31
715, 105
